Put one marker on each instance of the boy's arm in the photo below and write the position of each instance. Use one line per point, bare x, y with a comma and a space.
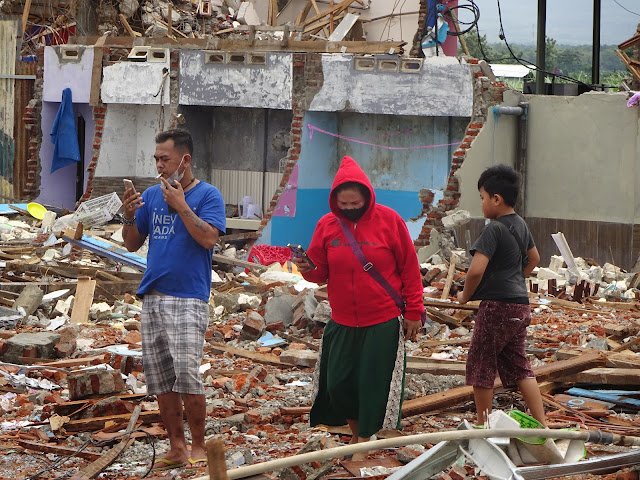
474, 276
534, 258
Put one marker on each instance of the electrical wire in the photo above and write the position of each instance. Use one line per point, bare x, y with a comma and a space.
625, 8
449, 11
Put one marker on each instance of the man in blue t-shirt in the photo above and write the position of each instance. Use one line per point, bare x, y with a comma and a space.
182, 217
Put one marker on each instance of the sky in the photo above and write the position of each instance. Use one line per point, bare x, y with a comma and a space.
569, 22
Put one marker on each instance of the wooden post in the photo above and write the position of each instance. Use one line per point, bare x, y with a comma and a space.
331, 17
215, 459
25, 15
170, 21
447, 285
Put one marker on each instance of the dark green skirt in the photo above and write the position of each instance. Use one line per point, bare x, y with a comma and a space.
361, 377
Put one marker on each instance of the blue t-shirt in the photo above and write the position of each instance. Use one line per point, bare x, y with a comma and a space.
177, 265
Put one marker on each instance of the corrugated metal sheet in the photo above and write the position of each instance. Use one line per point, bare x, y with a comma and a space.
8, 32
235, 184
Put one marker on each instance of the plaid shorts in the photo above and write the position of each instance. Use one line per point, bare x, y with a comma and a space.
497, 345
173, 331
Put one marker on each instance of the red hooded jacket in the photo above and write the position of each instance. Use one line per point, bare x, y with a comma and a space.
356, 299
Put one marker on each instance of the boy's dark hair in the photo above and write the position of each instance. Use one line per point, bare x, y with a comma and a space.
353, 186
181, 139
503, 180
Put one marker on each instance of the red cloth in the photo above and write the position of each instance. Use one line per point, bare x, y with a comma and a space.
356, 298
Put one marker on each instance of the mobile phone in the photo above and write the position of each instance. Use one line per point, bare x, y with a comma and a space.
128, 184
298, 252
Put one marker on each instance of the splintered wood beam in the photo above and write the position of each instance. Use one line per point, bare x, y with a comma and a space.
334, 10
459, 395
25, 15
303, 13
254, 356
127, 27
630, 43
57, 450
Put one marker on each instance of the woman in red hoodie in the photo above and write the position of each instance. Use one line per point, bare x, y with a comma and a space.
361, 374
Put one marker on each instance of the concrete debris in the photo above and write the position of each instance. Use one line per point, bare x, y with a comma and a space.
64, 383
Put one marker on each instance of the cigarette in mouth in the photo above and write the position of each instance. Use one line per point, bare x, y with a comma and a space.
158, 176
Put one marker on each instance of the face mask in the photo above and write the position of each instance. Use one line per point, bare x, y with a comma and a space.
353, 214
175, 176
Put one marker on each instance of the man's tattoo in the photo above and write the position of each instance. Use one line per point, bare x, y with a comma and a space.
197, 221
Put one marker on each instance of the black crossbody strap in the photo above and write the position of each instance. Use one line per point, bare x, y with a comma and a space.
368, 267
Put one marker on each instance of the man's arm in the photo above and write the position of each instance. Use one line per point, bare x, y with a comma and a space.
202, 232
534, 258
474, 276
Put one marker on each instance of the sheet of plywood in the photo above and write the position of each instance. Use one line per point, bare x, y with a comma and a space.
83, 300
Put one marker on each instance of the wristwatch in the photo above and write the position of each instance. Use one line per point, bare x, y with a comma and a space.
128, 222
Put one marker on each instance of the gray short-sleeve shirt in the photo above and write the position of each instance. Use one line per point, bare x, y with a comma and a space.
503, 278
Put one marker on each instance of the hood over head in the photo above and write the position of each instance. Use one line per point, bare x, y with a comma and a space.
350, 171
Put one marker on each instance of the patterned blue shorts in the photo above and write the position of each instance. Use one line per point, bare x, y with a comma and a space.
173, 330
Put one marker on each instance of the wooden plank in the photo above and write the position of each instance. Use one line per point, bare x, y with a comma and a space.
317, 26
98, 423
432, 302
303, 13
78, 362
435, 368
458, 395
217, 258
272, 12
256, 357
127, 27
449, 280
334, 10
83, 300
442, 317
239, 236
25, 16
625, 59
630, 43
96, 72
604, 375
58, 450
317, 10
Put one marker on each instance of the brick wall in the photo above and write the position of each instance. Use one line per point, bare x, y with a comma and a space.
485, 95
416, 47
32, 119
308, 79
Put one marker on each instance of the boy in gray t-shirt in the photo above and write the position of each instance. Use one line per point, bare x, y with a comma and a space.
503, 256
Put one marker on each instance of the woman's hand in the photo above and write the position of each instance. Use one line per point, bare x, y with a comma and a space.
303, 265
411, 329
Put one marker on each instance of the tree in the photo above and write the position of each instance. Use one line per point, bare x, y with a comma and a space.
550, 54
476, 45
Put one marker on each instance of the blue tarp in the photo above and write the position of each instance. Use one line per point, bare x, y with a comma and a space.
64, 135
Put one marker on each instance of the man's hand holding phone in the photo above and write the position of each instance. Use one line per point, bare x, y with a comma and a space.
301, 259
131, 200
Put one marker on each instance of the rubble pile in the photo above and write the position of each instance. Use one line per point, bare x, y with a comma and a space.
71, 378
235, 19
